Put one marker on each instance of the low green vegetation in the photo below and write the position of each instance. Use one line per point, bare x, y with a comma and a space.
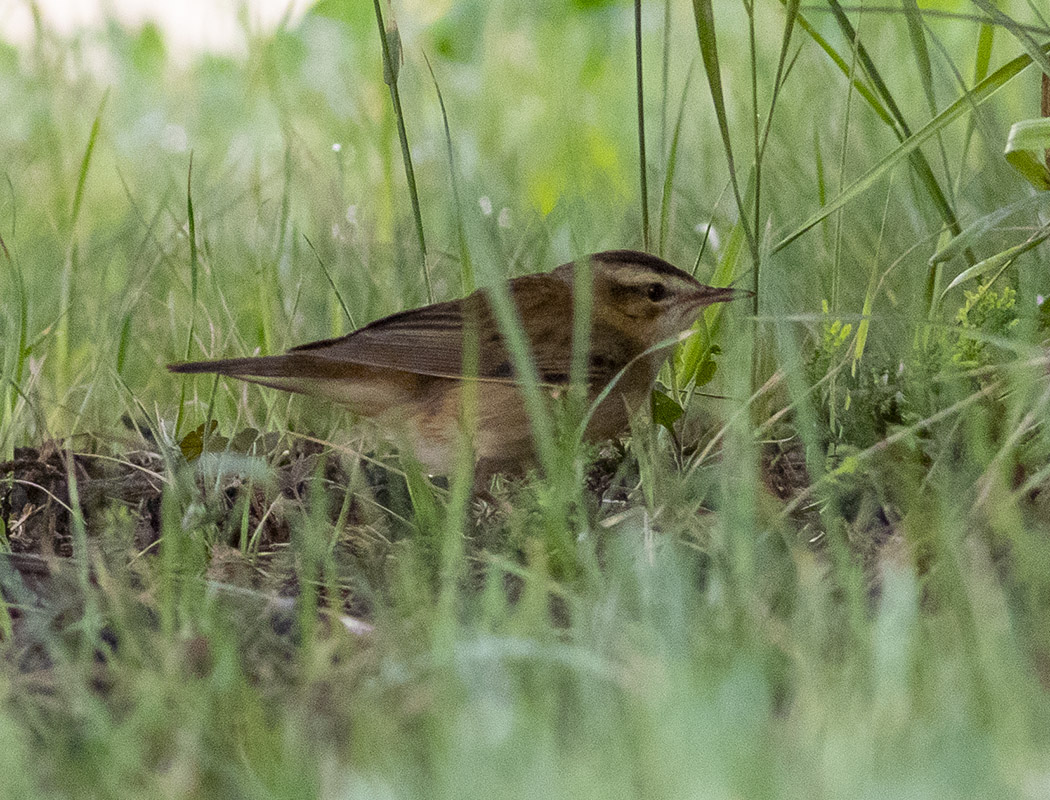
821, 570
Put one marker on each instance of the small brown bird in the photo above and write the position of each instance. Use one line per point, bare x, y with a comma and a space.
406, 371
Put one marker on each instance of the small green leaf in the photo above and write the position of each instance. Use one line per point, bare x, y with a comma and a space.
705, 373
193, 443
849, 465
1025, 145
666, 411
242, 442
147, 50
995, 262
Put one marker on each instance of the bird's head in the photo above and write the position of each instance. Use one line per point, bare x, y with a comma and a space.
644, 296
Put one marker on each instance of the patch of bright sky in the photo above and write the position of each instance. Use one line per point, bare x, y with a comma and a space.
189, 26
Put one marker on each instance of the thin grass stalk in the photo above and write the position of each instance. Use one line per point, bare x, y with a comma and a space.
582, 325
740, 477
194, 270
15, 370
81, 559
836, 274
903, 131
840, 62
756, 139
309, 547
836, 267
918, 30
705, 28
331, 282
1044, 110
861, 338
1024, 38
462, 481
72, 251
390, 73
783, 69
917, 34
466, 265
643, 181
665, 68
935, 13
976, 97
669, 172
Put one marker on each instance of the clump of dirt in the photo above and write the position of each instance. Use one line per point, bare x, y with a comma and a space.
35, 499
233, 521
245, 510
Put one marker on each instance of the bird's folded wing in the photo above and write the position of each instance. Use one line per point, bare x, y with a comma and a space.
429, 340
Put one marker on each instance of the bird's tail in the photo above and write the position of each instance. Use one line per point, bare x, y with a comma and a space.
283, 366
366, 390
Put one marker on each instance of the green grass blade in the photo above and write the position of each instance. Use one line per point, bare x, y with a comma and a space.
913, 17
665, 69
704, 14
642, 178
391, 68
980, 93
1036, 52
466, 266
331, 282
1044, 108
982, 62
85, 162
462, 481
194, 270
996, 262
69, 267
783, 69
862, 88
672, 162
976, 230
900, 127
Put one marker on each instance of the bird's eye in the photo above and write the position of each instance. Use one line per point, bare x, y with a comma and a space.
656, 292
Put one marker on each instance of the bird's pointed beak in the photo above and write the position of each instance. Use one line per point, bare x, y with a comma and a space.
708, 295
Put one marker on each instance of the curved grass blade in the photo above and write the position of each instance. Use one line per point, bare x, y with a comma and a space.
331, 282
194, 266
672, 162
704, 14
978, 95
463, 475
998, 261
66, 286
466, 266
982, 61
1024, 38
900, 127
978, 228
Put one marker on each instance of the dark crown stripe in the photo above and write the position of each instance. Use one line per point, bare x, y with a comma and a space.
650, 262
